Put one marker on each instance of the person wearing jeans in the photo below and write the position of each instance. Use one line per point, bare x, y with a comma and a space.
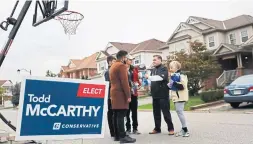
120, 95
110, 118
179, 95
134, 83
160, 95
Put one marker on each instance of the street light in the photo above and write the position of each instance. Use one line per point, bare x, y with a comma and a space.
29, 71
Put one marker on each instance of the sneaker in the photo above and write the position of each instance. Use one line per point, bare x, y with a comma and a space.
179, 133
127, 139
128, 132
186, 134
182, 133
136, 132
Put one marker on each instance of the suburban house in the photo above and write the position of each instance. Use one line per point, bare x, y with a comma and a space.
6, 85
231, 41
80, 68
142, 52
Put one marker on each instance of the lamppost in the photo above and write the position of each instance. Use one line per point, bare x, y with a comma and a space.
29, 71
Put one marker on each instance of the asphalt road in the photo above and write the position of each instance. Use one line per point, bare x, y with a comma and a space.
205, 128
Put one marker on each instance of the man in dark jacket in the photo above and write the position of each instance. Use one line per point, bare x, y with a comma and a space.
110, 61
160, 95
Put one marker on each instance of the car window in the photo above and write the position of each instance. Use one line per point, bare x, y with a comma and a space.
244, 80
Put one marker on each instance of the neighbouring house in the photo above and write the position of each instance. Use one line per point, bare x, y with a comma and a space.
7, 88
230, 40
80, 68
142, 52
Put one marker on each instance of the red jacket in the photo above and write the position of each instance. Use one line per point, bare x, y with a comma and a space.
136, 79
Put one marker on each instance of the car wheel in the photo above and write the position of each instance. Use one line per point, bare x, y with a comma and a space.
235, 105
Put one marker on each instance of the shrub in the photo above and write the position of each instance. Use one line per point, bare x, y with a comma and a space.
211, 95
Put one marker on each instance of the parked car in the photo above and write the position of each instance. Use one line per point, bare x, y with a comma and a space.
239, 91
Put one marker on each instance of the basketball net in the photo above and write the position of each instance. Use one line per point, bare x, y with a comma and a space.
70, 20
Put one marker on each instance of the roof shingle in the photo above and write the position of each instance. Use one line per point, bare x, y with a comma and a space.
124, 46
148, 45
228, 24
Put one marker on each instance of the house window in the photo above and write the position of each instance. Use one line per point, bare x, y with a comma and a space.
244, 35
102, 66
211, 41
232, 39
137, 60
172, 56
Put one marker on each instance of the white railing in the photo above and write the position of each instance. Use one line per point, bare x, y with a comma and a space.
231, 75
221, 79
226, 76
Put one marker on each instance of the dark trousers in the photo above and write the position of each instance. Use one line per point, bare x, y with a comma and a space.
164, 106
110, 118
133, 106
119, 123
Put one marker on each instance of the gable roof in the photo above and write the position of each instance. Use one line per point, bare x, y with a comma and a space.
76, 61
124, 46
64, 68
215, 25
210, 22
148, 45
231, 49
194, 28
101, 52
4, 81
226, 25
88, 62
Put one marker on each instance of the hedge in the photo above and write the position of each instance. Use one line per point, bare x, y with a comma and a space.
212, 95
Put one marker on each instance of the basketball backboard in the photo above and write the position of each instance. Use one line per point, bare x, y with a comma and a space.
46, 10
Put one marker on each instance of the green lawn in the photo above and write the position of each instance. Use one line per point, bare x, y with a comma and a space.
192, 102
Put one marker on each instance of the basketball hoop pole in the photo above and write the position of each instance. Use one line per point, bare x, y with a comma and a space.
16, 24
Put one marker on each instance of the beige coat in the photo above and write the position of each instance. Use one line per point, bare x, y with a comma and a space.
183, 94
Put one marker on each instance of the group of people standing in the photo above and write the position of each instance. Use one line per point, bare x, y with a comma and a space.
123, 96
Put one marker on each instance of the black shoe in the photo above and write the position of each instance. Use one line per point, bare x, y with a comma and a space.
127, 139
116, 138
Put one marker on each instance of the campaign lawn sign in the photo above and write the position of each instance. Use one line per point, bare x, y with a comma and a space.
58, 108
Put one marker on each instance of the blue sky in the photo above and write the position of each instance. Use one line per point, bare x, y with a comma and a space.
47, 47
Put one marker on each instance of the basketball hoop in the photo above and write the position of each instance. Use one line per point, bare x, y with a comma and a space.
70, 21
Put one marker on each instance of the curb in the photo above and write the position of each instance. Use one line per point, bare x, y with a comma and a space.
207, 105
3, 108
248, 112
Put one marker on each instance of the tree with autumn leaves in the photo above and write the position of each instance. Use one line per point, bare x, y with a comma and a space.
198, 65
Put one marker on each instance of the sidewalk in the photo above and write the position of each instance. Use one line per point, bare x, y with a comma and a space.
144, 101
